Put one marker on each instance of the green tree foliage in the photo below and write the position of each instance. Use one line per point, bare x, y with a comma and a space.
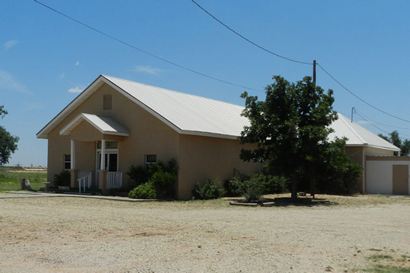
403, 144
289, 131
8, 143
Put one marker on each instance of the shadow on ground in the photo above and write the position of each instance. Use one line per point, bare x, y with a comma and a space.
301, 201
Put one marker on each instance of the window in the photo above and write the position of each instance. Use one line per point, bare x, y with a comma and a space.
107, 102
150, 159
67, 162
108, 145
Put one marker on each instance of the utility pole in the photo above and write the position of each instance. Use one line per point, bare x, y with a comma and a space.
314, 73
352, 113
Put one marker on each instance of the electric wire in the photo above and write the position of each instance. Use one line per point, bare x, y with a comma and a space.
243, 37
143, 51
358, 97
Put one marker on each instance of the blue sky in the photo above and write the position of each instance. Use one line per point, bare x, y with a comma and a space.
45, 60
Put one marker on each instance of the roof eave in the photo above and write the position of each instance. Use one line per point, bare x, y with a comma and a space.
396, 149
43, 133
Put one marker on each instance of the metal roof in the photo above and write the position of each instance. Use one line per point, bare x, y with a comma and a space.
195, 115
357, 135
105, 125
187, 112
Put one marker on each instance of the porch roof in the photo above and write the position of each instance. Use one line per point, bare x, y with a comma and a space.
105, 125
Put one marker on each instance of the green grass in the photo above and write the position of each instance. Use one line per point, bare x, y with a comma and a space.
10, 178
386, 263
388, 269
380, 257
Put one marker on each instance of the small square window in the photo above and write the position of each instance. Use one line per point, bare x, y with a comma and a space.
150, 159
67, 162
107, 102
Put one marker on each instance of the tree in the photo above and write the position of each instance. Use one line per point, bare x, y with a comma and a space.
289, 131
3, 112
403, 144
8, 143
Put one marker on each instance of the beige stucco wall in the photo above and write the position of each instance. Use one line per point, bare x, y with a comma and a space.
148, 135
370, 151
206, 157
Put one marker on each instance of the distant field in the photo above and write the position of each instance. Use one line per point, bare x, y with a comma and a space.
10, 178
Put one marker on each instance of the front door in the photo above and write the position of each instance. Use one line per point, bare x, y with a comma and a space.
111, 161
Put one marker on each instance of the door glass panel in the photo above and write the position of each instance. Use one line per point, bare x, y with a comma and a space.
112, 167
98, 160
111, 161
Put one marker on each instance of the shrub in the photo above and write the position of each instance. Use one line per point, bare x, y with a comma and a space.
253, 188
258, 184
162, 177
164, 183
231, 186
143, 191
62, 179
138, 175
210, 189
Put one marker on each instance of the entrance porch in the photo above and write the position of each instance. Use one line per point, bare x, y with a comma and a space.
95, 153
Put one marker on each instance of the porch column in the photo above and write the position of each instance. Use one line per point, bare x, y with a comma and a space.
102, 165
73, 171
103, 173
72, 154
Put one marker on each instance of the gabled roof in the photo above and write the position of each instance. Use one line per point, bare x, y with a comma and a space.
105, 125
357, 135
185, 113
194, 115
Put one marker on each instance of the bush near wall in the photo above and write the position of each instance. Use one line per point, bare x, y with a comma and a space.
157, 180
62, 179
210, 189
143, 191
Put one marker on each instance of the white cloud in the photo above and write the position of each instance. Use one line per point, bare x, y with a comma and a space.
9, 84
146, 69
75, 89
10, 44
77, 63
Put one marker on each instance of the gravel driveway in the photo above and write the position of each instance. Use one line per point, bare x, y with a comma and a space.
82, 235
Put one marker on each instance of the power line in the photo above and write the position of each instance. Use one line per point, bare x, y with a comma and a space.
372, 123
380, 123
360, 98
247, 39
296, 61
146, 52
377, 127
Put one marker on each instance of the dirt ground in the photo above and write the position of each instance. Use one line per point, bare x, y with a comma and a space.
83, 235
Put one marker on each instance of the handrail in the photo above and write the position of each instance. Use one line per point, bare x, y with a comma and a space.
84, 182
114, 180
